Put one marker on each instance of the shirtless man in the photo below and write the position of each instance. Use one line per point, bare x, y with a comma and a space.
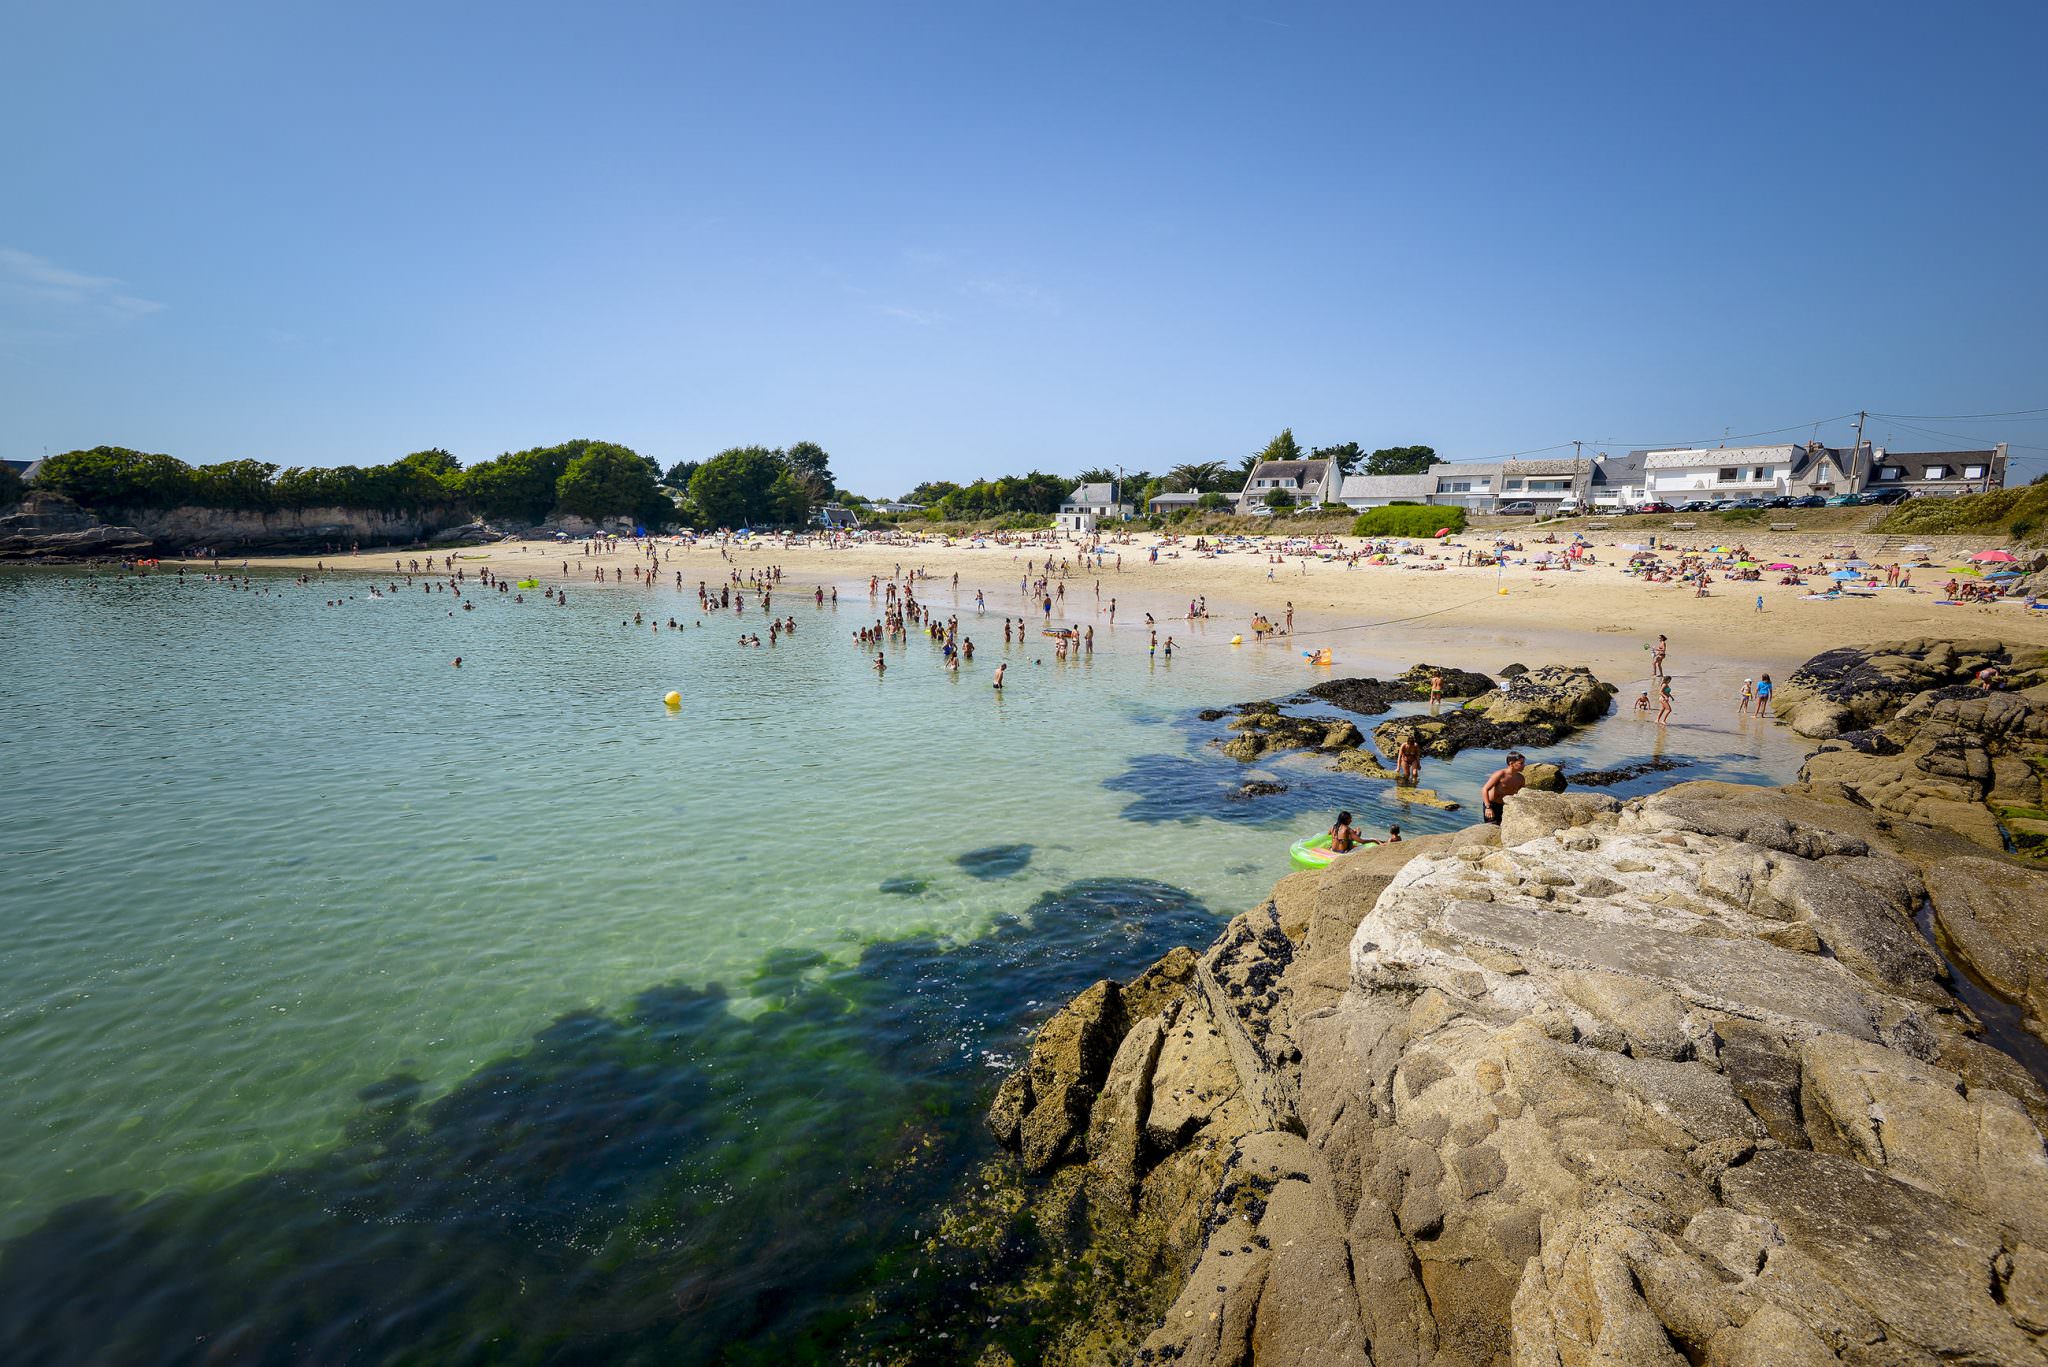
1502, 784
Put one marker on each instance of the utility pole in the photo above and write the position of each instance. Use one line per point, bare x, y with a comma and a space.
1578, 496
1856, 454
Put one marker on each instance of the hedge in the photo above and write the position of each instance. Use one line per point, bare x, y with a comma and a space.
1409, 520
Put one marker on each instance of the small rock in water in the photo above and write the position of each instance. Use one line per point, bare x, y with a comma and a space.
903, 887
1256, 788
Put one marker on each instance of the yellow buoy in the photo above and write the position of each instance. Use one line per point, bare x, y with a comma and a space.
673, 698
1237, 640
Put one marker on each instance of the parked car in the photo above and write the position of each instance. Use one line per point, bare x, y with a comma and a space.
1655, 505
1520, 508
1698, 505
1808, 501
1751, 502
1846, 501
1888, 496
1781, 501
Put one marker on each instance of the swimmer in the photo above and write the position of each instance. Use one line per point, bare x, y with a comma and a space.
1343, 836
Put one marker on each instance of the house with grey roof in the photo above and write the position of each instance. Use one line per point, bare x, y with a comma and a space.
1938, 472
1307, 482
1081, 509
1377, 491
1616, 481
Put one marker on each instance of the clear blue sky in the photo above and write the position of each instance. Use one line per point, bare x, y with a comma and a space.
956, 239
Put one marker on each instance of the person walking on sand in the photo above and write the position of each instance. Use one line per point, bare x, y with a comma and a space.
1502, 784
1657, 657
1664, 702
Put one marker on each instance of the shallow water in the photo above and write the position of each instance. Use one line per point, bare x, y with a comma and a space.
357, 1006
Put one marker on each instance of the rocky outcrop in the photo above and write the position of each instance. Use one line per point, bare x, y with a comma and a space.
48, 524
1907, 740
1857, 687
1536, 707
1370, 697
1671, 1081
1266, 733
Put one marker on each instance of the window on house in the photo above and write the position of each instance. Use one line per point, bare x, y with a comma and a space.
1759, 473
1727, 475
1975, 471
1891, 472
1936, 472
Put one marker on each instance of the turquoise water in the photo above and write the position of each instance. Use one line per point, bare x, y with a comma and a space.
356, 1006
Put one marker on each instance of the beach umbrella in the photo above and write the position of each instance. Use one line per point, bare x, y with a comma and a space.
1781, 565
1443, 531
1994, 558
1845, 574
1855, 564
1745, 564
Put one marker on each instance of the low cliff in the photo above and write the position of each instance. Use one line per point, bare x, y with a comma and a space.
1676, 1081
51, 525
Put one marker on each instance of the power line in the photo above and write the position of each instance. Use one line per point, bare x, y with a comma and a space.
1707, 443
1957, 436
1957, 417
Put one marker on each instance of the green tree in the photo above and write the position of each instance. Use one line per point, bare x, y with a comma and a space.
1097, 475
1216, 502
1279, 500
10, 486
1205, 474
1401, 460
607, 480
813, 469
930, 492
436, 462
746, 486
236, 485
1282, 447
116, 477
1347, 455
678, 476
519, 485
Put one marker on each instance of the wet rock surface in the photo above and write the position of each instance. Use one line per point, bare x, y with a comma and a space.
1369, 697
1537, 707
1669, 1081
1908, 732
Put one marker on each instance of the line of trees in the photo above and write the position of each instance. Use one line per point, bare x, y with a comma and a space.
740, 486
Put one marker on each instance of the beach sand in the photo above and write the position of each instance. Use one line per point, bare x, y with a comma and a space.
1471, 618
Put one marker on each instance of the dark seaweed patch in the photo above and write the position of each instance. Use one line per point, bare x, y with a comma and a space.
673, 1183
996, 861
903, 887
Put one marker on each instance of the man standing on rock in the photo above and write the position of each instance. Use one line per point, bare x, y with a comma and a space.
1502, 784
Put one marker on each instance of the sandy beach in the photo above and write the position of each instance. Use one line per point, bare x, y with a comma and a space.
1414, 609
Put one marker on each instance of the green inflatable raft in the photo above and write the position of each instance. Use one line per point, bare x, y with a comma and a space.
1313, 852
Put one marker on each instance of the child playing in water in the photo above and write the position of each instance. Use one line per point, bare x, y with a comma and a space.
1642, 704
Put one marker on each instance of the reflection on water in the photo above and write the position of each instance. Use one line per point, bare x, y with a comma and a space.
673, 1183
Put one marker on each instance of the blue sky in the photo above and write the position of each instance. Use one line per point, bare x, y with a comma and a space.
947, 240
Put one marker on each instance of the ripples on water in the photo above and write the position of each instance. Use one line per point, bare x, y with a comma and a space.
326, 1010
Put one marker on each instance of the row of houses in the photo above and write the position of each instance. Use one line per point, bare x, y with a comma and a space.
1672, 475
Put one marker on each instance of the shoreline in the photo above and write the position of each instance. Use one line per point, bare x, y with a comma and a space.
1382, 611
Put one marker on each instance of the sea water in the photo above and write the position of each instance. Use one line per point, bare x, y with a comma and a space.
359, 1006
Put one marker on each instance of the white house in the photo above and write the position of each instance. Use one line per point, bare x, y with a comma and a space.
1080, 510
1679, 476
1377, 491
1474, 486
1307, 482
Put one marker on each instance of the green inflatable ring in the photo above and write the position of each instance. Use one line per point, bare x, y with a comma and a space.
1313, 852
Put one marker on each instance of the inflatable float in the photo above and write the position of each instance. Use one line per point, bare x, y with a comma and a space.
1313, 852
1318, 657
1060, 633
